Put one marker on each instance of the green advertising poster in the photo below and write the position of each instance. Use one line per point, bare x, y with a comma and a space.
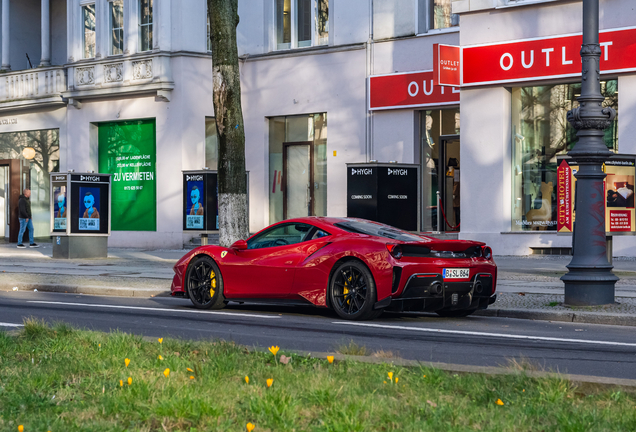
127, 150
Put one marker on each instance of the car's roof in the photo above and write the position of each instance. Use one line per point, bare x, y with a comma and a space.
319, 220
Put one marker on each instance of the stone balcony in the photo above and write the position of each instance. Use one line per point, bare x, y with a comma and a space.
147, 73
39, 87
50, 87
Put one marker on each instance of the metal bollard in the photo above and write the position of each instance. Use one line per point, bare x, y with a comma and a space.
204, 239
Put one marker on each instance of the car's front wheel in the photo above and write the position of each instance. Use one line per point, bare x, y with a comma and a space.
352, 291
204, 284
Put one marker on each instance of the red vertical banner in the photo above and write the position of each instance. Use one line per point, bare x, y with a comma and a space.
446, 65
564, 198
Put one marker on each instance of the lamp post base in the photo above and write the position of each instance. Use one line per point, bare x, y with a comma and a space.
584, 288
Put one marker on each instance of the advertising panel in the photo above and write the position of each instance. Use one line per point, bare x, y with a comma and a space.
408, 90
200, 201
90, 198
60, 208
619, 192
128, 151
545, 58
195, 207
386, 193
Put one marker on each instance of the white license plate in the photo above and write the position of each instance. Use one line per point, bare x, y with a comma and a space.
456, 273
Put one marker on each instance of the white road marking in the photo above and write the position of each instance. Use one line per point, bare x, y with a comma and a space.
495, 335
10, 325
155, 309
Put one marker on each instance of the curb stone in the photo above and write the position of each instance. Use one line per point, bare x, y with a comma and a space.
565, 316
87, 289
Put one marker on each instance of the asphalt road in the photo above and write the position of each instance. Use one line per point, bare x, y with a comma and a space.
585, 349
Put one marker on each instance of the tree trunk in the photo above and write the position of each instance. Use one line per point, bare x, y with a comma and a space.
233, 223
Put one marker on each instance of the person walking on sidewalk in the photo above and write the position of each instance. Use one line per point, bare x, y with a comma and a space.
24, 208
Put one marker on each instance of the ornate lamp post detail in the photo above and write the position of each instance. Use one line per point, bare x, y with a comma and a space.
590, 280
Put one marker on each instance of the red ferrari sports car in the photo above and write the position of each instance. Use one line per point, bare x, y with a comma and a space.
356, 267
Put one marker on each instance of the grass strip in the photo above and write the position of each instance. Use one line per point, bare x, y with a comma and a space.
57, 378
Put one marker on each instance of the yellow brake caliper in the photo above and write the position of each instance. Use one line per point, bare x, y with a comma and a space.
345, 290
212, 283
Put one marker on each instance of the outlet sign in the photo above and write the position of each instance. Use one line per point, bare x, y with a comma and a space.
409, 90
545, 58
447, 64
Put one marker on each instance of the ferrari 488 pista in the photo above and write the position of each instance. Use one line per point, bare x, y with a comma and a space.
356, 267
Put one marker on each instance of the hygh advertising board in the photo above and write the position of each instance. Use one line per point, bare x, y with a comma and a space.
200, 201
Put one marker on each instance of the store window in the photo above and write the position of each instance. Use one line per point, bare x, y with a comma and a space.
540, 133
297, 166
116, 28
435, 14
433, 124
301, 24
88, 36
39, 152
211, 144
145, 24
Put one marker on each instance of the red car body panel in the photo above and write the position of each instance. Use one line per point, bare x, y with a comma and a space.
303, 270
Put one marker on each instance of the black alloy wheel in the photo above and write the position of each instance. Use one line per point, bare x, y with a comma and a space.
204, 283
352, 292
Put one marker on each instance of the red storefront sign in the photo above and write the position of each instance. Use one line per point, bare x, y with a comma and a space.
620, 220
409, 90
564, 197
447, 65
545, 58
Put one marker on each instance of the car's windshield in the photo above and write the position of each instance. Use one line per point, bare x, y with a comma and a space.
377, 229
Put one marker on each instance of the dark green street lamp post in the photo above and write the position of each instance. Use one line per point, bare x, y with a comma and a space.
590, 280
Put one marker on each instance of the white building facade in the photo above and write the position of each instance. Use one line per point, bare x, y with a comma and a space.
108, 75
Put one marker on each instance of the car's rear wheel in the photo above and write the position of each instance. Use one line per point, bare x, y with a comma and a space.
204, 284
352, 291
455, 313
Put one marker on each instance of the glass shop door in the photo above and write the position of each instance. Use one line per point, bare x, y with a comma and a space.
449, 213
298, 175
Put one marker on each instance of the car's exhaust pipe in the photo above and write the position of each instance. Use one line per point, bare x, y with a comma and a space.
436, 288
478, 287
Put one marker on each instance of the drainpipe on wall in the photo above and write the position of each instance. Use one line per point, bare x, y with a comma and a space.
369, 50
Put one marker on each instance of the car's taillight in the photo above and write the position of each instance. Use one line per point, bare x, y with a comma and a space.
486, 252
394, 250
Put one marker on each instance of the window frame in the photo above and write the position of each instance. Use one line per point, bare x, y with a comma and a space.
84, 6
305, 238
111, 5
428, 27
150, 25
294, 42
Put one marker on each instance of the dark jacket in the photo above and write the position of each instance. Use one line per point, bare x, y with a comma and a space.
24, 207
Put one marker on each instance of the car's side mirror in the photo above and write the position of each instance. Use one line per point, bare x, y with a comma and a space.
239, 245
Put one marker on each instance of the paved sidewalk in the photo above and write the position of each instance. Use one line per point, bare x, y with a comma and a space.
528, 287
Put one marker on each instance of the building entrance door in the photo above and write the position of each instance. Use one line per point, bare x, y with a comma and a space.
449, 214
4, 202
298, 179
